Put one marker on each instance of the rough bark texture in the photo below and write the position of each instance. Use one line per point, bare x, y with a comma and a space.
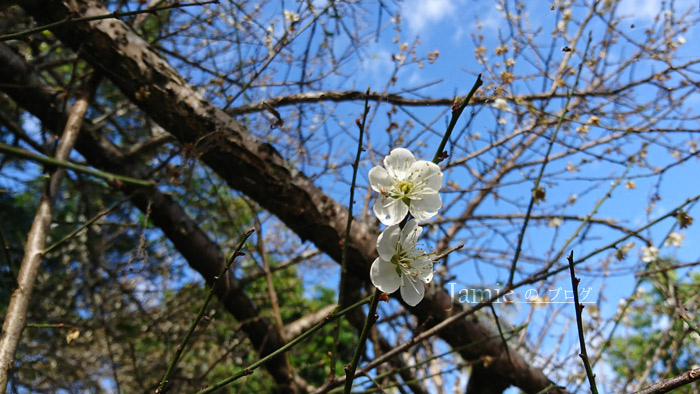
23, 85
252, 167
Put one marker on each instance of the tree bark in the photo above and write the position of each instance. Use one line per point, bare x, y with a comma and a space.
25, 87
253, 167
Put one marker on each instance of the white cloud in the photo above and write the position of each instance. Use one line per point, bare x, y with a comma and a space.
421, 13
491, 18
648, 9
377, 61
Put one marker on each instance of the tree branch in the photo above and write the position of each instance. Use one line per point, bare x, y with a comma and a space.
15, 317
254, 168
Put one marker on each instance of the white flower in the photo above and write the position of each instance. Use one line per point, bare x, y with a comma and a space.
501, 105
627, 247
400, 264
649, 254
621, 305
405, 184
291, 16
555, 222
674, 239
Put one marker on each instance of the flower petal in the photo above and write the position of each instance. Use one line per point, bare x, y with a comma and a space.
424, 268
390, 211
410, 234
398, 163
412, 292
426, 206
387, 242
379, 179
384, 276
427, 173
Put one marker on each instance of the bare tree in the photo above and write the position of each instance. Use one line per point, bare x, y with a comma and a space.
244, 115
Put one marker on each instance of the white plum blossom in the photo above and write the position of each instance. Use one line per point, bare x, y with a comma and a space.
400, 264
501, 105
649, 254
555, 222
675, 239
405, 185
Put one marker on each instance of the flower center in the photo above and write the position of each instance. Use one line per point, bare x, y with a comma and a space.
405, 187
402, 261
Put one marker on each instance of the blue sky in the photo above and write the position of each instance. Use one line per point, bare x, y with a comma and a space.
447, 26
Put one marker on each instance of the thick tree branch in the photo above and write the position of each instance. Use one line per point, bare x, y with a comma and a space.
675, 382
391, 98
24, 86
252, 167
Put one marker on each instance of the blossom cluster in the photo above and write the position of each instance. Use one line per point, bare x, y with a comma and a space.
405, 185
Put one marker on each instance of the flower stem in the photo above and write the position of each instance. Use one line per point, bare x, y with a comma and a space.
344, 255
371, 319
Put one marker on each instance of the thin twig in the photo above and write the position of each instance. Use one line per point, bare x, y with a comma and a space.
379, 360
271, 292
500, 332
537, 194
86, 224
249, 370
427, 334
201, 312
547, 271
453, 121
675, 382
689, 322
344, 253
50, 161
447, 252
371, 317
666, 269
369, 321
579, 324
